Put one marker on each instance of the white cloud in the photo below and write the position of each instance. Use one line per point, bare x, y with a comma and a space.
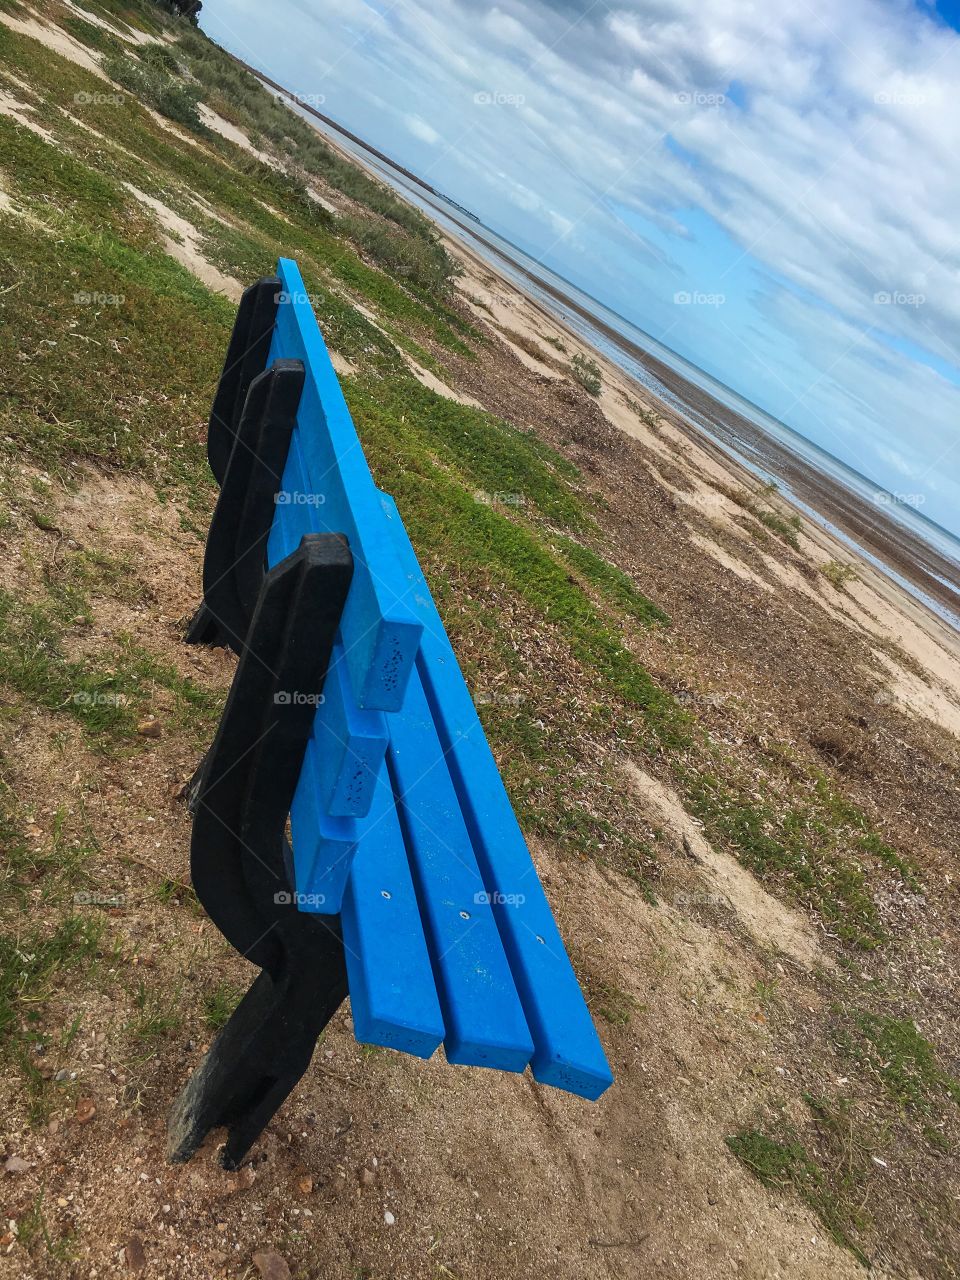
420, 129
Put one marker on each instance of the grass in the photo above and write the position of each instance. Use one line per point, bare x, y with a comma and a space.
219, 1003
157, 1013
613, 1004
149, 76
106, 695
32, 959
587, 373
802, 847
903, 1061
787, 528
618, 588
778, 1160
838, 574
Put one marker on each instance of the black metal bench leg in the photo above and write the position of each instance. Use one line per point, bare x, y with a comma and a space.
240, 862
259, 1056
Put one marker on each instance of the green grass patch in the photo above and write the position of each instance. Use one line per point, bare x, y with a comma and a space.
799, 846
105, 695
151, 78
503, 466
838, 573
904, 1062
781, 1162
614, 584
219, 1004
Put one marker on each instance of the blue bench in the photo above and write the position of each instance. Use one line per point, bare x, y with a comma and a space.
403, 839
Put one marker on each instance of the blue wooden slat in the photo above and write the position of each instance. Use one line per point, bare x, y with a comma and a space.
393, 996
351, 744
380, 628
485, 1026
568, 1052
323, 847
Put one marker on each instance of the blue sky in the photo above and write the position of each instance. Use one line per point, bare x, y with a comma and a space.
770, 187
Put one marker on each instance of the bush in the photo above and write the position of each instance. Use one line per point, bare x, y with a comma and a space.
425, 263
838, 574
587, 373
150, 80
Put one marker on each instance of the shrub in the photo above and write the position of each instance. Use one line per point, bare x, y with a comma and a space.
838, 574
587, 373
150, 80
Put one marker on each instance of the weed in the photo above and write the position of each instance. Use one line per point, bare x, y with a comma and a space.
614, 584
587, 373
219, 1004
149, 77
838, 574
157, 1013
905, 1062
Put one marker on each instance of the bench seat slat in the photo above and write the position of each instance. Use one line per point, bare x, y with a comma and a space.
568, 1052
485, 1026
380, 628
393, 995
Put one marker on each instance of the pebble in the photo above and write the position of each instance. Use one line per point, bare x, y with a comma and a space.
149, 727
388, 1218
367, 1177
305, 1184
16, 1164
86, 1110
271, 1266
134, 1255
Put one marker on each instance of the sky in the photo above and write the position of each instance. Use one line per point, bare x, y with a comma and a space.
769, 187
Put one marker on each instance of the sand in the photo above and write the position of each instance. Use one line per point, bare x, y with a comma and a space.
181, 240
